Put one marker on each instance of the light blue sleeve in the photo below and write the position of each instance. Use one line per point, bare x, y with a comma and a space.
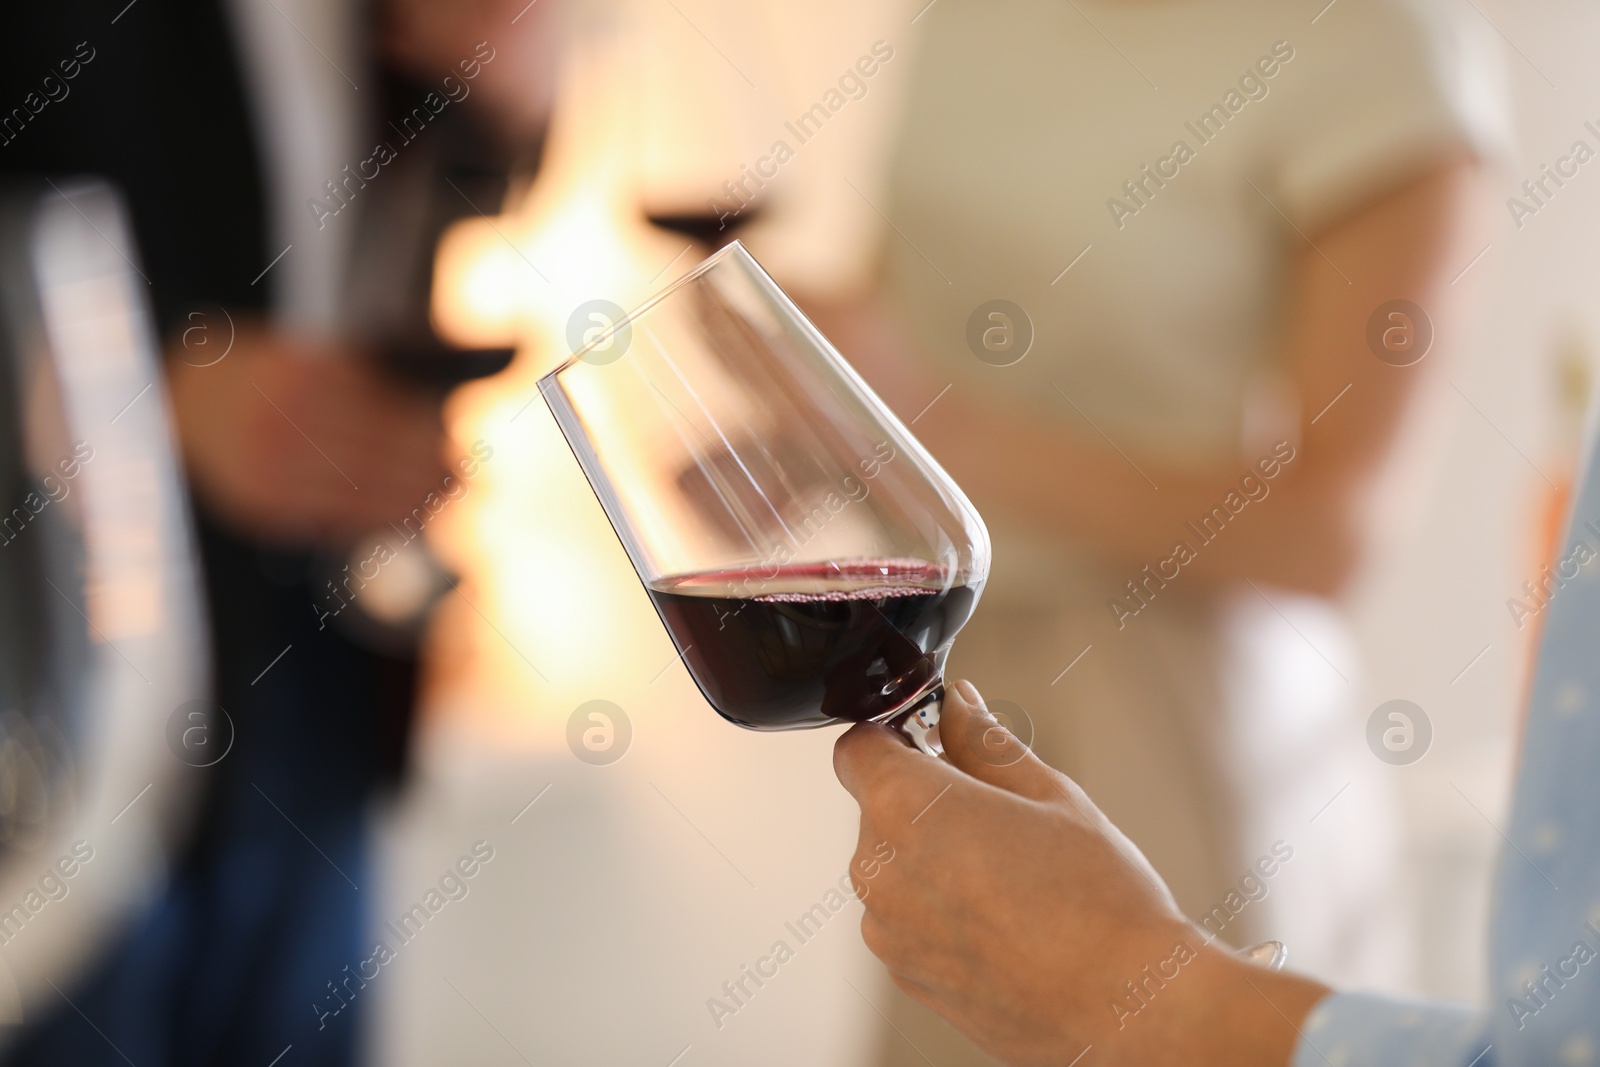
1543, 1008
1364, 1030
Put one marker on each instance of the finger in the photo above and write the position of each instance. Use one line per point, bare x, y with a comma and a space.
908, 960
979, 745
875, 935
875, 765
976, 743
922, 994
861, 754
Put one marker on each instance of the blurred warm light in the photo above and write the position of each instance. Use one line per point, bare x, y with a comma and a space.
549, 606
578, 233
643, 107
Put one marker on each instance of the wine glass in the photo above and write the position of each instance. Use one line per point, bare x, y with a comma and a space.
809, 558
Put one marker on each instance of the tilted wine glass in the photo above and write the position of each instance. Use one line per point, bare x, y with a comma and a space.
809, 558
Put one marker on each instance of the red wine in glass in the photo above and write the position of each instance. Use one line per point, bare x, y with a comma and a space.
790, 647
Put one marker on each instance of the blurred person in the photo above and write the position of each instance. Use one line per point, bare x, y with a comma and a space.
282, 268
1180, 433
1020, 912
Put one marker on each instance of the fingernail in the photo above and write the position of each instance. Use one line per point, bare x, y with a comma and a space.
970, 694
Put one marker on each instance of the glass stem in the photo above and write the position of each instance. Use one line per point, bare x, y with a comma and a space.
919, 722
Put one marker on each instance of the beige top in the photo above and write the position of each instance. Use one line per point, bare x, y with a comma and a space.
1234, 123
1168, 152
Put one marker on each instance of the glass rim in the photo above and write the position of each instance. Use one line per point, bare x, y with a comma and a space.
705, 265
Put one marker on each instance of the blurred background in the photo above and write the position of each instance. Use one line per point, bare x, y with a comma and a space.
439, 712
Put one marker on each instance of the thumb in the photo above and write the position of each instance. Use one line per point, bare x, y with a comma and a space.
866, 753
976, 743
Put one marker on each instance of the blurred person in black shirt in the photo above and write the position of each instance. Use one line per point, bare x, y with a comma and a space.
226, 123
